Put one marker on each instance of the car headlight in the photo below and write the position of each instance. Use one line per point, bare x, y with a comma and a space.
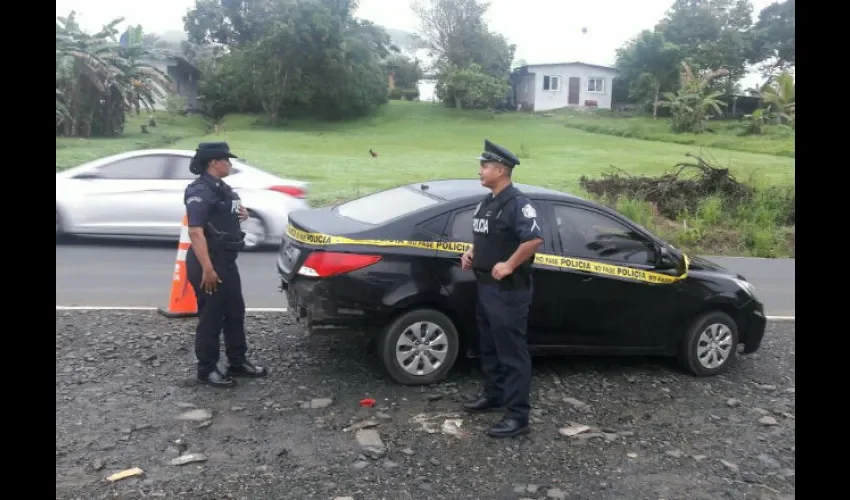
746, 286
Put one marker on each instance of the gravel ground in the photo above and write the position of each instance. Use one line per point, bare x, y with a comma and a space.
126, 397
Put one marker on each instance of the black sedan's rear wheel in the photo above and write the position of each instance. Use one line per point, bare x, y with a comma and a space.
710, 346
419, 347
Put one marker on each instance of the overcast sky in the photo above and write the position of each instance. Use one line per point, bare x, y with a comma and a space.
543, 30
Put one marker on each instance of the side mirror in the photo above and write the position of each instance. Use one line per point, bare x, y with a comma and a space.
664, 259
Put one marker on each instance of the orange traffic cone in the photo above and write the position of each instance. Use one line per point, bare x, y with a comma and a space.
182, 303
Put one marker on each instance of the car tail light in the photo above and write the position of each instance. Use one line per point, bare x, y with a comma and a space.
295, 192
325, 264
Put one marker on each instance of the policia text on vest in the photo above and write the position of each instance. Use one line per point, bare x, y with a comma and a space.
540, 259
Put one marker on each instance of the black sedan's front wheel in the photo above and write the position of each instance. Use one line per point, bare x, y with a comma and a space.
419, 347
710, 346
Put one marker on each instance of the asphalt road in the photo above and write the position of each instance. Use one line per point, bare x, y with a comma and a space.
137, 274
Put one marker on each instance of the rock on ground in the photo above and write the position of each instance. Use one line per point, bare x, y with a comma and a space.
122, 378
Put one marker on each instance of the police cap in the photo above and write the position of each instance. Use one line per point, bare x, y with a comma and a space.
494, 152
209, 151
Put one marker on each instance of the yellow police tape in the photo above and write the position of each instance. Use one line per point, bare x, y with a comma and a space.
558, 261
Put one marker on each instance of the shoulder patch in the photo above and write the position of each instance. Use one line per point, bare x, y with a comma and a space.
528, 211
194, 199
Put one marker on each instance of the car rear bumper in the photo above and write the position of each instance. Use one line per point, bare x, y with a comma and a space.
330, 303
752, 324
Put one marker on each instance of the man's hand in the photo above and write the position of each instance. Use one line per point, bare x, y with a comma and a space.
466, 260
243, 212
210, 281
501, 270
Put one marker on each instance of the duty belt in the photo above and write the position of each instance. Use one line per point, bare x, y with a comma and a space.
224, 241
515, 280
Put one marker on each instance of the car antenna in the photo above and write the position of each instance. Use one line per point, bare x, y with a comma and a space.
424, 187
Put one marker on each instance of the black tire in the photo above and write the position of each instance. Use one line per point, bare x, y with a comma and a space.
389, 337
689, 355
60, 227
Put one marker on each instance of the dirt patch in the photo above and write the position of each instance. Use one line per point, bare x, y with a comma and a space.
719, 241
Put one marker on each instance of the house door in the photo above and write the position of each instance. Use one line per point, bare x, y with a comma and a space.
574, 90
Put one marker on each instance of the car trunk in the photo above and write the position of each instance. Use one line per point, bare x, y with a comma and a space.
293, 253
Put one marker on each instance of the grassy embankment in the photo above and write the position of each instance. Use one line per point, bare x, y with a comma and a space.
420, 141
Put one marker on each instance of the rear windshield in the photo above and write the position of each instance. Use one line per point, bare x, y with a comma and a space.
380, 207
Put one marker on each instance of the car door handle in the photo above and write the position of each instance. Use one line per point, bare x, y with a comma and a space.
587, 279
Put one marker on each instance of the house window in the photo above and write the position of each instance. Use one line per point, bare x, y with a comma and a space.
552, 83
596, 84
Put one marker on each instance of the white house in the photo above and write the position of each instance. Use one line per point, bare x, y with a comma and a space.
541, 87
427, 90
184, 80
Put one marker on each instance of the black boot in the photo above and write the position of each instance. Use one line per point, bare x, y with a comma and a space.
216, 379
245, 368
481, 405
508, 427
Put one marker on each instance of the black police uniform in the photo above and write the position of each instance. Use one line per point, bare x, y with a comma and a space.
500, 225
213, 205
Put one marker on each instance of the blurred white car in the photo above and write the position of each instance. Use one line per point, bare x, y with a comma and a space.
140, 194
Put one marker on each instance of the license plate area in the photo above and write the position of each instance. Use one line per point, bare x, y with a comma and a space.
291, 252
290, 255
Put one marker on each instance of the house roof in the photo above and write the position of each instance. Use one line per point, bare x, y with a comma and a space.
571, 63
168, 55
182, 60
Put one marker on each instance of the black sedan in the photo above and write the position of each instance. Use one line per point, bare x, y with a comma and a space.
390, 262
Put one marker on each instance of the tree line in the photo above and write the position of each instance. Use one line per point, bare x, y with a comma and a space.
691, 62
290, 58
295, 58
699, 52
281, 58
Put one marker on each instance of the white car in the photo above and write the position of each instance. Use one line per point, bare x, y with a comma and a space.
140, 194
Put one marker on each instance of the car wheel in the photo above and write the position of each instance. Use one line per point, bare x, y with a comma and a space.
60, 233
255, 231
711, 344
419, 347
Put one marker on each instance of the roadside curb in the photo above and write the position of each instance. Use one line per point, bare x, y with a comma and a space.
146, 308
780, 319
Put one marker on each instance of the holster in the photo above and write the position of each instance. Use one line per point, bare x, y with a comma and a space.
220, 242
518, 279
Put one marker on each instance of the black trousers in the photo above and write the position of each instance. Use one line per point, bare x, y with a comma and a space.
502, 317
222, 311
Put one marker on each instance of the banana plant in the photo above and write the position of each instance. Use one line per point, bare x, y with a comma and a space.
694, 102
779, 96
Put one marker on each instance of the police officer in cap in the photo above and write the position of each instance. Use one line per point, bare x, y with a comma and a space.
506, 235
214, 213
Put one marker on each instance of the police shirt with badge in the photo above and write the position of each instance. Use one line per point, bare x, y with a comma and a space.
500, 224
213, 205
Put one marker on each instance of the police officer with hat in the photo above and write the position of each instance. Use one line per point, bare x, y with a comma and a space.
506, 236
214, 213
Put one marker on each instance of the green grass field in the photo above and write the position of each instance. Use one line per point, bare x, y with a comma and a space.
419, 141
724, 134
74, 151
422, 141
